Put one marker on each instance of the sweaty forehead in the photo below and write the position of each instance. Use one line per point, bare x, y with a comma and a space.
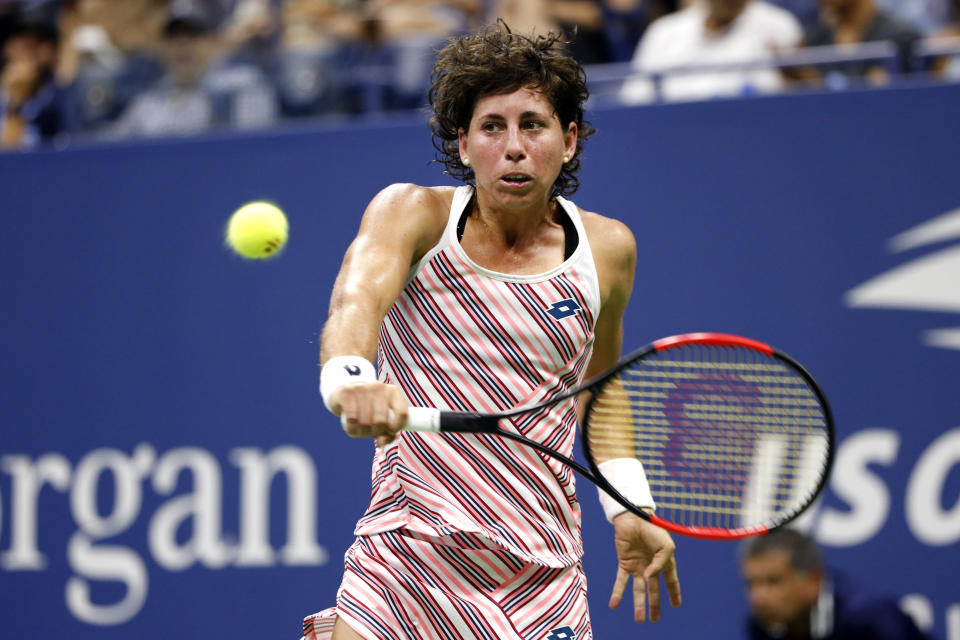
514, 103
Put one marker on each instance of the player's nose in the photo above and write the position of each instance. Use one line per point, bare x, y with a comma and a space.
514, 149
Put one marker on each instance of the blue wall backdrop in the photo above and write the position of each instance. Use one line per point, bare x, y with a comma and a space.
166, 464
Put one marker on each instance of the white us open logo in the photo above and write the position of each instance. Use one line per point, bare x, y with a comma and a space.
927, 283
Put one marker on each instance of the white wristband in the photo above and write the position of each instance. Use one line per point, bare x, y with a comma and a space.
627, 476
342, 370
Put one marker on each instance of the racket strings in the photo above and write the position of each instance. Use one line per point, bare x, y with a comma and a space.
729, 437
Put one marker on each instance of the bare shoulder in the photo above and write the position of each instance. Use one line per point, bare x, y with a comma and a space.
615, 255
610, 239
413, 201
409, 214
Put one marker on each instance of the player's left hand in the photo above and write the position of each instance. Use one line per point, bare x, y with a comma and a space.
645, 551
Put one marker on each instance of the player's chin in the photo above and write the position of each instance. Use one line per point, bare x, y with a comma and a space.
525, 193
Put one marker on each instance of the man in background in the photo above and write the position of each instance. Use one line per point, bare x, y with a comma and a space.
680, 47
791, 595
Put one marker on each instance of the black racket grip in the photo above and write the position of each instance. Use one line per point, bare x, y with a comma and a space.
434, 420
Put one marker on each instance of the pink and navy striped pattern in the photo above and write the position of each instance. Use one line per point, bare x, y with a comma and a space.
400, 585
463, 338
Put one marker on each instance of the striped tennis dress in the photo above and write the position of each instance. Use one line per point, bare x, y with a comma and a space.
488, 515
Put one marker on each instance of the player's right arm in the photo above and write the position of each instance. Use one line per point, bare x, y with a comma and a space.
400, 225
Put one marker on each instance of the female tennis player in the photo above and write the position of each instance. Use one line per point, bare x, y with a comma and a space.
495, 294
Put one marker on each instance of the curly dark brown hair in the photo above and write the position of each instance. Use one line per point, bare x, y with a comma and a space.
497, 61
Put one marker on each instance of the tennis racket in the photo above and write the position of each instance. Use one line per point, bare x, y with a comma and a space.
735, 437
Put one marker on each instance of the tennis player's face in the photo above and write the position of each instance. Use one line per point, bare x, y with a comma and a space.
778, 594
515, 145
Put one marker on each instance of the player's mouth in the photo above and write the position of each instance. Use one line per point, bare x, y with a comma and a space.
516, 180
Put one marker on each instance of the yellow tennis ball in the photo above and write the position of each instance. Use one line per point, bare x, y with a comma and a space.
257, 230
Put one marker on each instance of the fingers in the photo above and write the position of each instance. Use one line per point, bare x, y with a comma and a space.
640, 598
653, 596
619, 586
372, 410
672, 582
665, 564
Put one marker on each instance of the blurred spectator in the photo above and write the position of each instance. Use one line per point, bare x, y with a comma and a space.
9, 16
195, 94
857, 21
791, 595
346, 56
952, 28
927, 16
408, 32
948, 67
250, 32
624, 22
30, 101
320, 40
311, 23
108, 56
805, 11
100, 78
215, 12
586, 16
134, 27
712, 32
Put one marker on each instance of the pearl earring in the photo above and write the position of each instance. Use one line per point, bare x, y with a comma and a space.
566, 159
466, 162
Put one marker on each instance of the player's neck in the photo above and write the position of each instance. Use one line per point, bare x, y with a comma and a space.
513, 224
516, 241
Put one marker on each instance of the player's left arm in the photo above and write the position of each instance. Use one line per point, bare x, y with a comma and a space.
615, 255
644, 551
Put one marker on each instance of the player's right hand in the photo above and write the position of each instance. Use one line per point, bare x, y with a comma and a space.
371, 410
